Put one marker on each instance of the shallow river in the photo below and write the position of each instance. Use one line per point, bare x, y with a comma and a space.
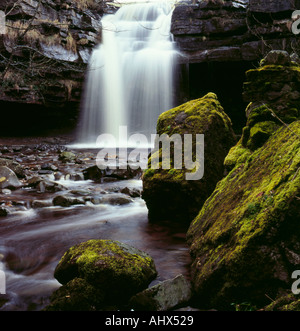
32, 241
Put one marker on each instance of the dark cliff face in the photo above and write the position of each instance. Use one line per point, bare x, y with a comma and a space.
243, 30
43, 59
220, 40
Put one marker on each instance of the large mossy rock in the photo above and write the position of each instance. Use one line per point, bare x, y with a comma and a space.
245, 241
114, 269
167, 192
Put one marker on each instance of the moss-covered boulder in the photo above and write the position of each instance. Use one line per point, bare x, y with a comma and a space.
168, 193
115, 269
245, 241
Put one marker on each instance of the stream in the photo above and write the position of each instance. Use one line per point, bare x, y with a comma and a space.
33, 239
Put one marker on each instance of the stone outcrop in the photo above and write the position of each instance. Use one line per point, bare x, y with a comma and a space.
243, 242
44, 56
169, 195
221, 31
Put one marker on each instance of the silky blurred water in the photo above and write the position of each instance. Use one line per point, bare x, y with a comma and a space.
32, 242
130, 76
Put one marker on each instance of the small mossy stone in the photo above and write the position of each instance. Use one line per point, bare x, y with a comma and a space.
117, 269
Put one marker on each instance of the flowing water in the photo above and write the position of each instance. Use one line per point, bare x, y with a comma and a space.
129, 83
33, 240
130, 80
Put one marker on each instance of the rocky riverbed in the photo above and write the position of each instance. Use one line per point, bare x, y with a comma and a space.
56, 197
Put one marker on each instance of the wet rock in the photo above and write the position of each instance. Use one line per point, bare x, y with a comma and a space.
123, 174
93, 173
15, 166
163, 296
116, 199
34, 181
77, 176
222, 31
8, 178
116, 269
96, 200
67, 157
132, 192
97, 174
49, 166
41, 203
49, 186
3, 212
67, 201
272, 90
45, 172
81, 192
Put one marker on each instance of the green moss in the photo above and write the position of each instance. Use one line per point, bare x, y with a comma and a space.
247, 208
168, 186
259, 114
260, 133
288, 302
237, 155
193, 113
99, 260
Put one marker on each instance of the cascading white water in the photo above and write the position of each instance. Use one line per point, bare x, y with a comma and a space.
130, 76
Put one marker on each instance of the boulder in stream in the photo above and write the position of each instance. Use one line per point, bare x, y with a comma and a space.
115, 269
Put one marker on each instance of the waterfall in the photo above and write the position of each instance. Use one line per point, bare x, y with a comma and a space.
130, 75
